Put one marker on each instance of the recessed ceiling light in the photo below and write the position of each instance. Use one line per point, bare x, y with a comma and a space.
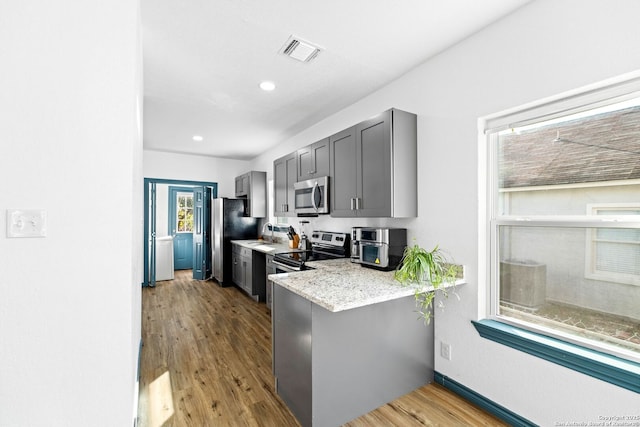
197, 138
267, 86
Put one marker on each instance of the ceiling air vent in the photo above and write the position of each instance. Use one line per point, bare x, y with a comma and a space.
299, 49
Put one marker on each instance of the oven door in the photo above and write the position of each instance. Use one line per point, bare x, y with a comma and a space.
285, 268
312, 196
374, 253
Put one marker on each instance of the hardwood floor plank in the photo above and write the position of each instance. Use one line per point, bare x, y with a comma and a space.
206, 361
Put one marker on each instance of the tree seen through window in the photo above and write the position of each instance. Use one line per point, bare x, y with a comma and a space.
184, 213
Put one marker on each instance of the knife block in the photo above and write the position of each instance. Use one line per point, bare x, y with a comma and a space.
293, 244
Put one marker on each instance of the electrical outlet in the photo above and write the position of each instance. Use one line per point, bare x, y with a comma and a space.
445, 350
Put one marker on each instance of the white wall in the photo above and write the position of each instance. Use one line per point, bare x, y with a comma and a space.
187, 167
71, 145
543, 49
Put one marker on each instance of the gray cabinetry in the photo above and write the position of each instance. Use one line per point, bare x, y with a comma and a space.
248, 271
242, 267
270, 268
258, 277
374, 167
343, 172
331, 367
284, 175
313, 160
252, 186
242, 185
237, 269
291, 324
373, 163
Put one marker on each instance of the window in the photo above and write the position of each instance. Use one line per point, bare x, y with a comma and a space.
614, 255
184, 213
563, 217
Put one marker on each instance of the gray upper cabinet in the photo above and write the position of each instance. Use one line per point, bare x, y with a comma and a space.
313, 160
285, 173
374, 167
242, 185
343, 181
252, 186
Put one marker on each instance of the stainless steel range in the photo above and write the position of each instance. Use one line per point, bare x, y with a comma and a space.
324, 245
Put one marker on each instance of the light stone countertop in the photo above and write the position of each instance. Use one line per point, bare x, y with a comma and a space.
339, 285
264, 246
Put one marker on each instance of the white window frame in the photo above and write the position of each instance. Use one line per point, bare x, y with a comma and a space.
591, 271
609, 92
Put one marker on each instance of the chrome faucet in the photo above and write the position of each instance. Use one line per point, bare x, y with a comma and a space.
265, 226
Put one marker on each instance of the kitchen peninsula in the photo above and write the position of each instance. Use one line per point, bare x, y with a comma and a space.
346, 340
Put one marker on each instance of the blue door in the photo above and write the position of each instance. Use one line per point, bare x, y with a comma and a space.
149, 233
181, 225
152, 229
201, 238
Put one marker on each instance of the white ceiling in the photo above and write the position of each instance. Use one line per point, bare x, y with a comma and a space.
204, 60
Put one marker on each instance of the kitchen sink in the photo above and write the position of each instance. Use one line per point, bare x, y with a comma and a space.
266, 248
260, 245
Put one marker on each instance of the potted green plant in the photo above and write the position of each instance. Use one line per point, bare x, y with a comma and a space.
425, 269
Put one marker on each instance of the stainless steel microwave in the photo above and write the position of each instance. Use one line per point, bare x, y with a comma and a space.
312, 196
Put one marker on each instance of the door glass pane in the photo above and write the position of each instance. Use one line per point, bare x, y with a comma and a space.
184, 213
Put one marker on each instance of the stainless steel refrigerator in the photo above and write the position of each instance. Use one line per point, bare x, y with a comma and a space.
228, 223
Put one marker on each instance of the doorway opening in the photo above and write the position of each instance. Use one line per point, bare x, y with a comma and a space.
166, 203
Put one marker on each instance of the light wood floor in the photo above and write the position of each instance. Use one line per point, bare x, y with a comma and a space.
206, 361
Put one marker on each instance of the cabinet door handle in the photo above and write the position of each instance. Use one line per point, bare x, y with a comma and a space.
357, 203
353, 203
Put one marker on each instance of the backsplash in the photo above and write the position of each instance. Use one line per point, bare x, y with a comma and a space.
343, 225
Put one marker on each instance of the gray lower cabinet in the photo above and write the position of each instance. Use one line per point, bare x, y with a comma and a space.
248, 271
237, 270
258, 283
313, 160
292, 357
333, 367
374, 167
270, 268
285, 173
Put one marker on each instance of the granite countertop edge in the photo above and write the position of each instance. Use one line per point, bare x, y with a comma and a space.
339, 285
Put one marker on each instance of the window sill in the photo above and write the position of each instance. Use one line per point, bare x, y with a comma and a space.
614, 370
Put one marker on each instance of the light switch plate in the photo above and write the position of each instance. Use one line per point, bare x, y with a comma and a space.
26, 223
